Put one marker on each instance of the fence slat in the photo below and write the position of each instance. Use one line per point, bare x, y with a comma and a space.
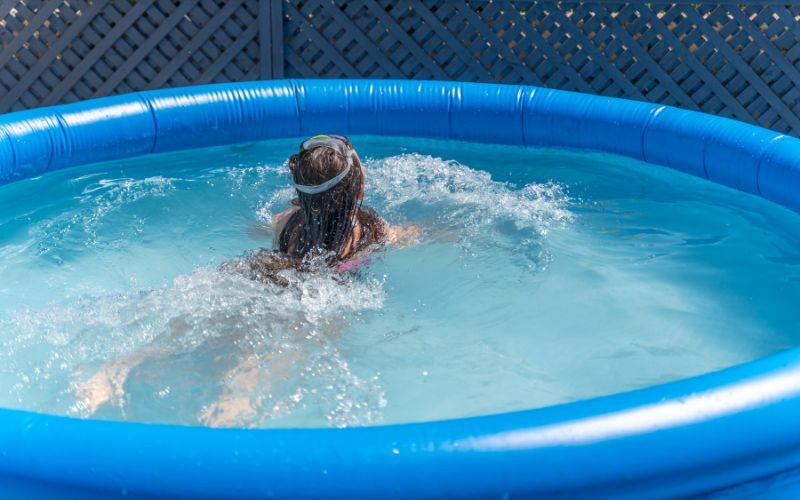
589, 46
28, 32
653, 68
97, 52
265, 38
44, 62
148, 46
324, 45
408, 42
696, 66
276, 40
576, 80
744, 70
231, 52
196, 42
366, 44
766, 45
451, 41
6, 6
499, 45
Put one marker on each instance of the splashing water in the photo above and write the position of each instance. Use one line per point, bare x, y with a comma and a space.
271, 352
447, 197
541, 277
97, 202
233, 323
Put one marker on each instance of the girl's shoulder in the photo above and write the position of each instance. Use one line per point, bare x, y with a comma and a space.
280, 219
373, 227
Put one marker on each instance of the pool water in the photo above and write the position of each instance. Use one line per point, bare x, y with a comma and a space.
542, 277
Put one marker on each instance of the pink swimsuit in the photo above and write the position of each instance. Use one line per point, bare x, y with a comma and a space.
353, 265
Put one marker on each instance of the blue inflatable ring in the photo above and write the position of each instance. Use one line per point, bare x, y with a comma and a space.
740, 426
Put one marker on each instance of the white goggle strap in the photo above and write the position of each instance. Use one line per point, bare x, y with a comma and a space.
321, 188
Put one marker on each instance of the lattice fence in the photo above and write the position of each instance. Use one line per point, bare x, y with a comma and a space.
63, 50
738, 59
731, 60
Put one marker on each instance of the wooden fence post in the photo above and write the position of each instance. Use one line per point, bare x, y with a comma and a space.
726, 57
270, 21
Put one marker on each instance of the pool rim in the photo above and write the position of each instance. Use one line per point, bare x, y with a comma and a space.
691, 436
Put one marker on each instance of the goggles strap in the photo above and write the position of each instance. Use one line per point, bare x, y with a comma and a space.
321, 188
337, 144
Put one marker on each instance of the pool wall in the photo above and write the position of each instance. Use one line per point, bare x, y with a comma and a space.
737, 429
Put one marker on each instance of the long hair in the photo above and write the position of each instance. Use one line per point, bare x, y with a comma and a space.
326, 219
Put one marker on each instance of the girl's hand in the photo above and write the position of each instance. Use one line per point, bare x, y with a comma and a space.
403, 236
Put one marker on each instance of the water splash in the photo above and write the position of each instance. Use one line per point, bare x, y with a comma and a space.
215, 348
240, 323
96, 203
276, 202
467, 206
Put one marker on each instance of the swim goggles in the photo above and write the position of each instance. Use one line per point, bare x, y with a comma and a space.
338, 143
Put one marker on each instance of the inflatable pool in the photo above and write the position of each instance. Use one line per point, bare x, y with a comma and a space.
732, 432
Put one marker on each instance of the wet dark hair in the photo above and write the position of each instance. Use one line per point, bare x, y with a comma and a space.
327, 218
322, 225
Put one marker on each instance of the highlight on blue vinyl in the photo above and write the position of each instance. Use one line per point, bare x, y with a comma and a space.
736, 428
89, 134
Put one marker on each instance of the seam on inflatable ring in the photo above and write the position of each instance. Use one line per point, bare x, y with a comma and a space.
4, 134
650, 117
527, 94
294, 84
49, 135
705, 166
454, 87
767, 149
63, 127
146, 101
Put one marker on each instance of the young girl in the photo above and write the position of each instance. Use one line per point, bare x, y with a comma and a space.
329, 223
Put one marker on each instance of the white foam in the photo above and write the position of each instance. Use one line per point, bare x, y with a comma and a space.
194, 313
469, 205
427, 179
96, 202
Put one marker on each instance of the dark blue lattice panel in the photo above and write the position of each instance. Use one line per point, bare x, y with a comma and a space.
733, 59
737, 59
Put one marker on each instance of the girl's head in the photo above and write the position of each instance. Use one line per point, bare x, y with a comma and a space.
329, 179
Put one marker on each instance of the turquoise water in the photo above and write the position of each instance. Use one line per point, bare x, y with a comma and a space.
542, 277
